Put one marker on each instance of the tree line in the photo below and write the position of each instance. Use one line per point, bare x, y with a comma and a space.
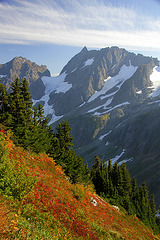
114, 183
31, 131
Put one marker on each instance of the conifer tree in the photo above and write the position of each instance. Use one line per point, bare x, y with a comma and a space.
133, 187
63, 141
145, 200
152, 206
16, 102
41, 135
63, 135
5, 116
152, 213
115, 174
28, 112
97, 174
39, 118
3, 99
73, 166
111, 189
96, 164
86, 173
126, 180
106, 180
110, 168
20, 108
120, 181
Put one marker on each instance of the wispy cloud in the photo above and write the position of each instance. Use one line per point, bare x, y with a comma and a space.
77, 23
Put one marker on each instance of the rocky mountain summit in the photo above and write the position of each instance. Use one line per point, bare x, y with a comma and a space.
22, 68
111, 99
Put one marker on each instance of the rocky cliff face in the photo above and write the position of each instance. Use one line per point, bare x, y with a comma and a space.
23, 68
111, 99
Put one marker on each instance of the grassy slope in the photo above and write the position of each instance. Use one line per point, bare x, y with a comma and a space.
38, 202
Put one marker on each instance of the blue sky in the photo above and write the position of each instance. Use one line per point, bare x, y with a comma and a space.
50, 32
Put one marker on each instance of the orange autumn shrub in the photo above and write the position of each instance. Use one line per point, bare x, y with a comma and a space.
5, 222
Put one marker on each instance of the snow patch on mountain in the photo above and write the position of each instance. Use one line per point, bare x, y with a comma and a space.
139, 92
2, 76
54, 118
120, 124
89, 62
125, 73
53, 84
110, 109
48, 109
113, 66
155, 79
155, 102
94, 109
104, 106
74, 70
107, 143
125, 161
82, 104
56, 84
117, 106
107, 103
115, 159
102, 136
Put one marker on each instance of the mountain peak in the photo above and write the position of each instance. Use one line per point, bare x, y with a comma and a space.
23, 68
84, 49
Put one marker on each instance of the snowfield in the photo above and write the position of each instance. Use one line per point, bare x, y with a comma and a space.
102, 136
125, 161
56, 84
155, 79
52, 84
115, 159
89, 62
2, 76
110, 109
124, 74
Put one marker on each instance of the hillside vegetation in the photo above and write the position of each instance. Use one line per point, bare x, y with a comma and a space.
38, 202
46, 190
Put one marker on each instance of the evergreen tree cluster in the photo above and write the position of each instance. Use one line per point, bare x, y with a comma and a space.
31, 131
115, 184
